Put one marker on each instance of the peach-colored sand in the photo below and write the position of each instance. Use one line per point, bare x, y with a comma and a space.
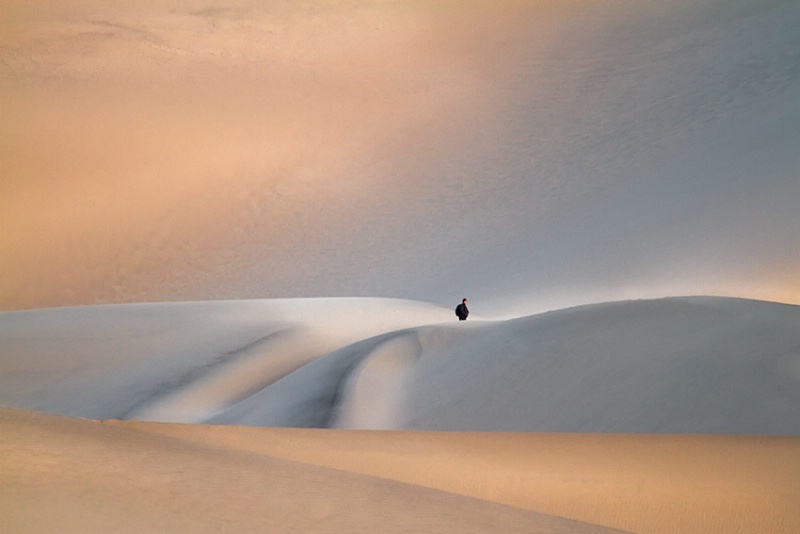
209, 149
70, 475
191, 128
641, 483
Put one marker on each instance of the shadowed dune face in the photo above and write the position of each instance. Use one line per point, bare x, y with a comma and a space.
570, 151
156, 361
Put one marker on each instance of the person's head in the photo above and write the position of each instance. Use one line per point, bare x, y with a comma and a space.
463, 301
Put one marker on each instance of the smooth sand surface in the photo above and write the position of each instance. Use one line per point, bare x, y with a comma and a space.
694, 365
641, 483
68, 475
178, 361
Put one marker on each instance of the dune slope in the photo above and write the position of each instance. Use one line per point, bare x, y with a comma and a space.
694, 365
678, 365
642, 483
69, 475
703, 365
178, 361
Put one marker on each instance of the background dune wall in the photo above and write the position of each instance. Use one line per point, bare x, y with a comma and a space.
530, 155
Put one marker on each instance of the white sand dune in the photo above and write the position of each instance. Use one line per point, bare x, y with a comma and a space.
677, 365
178, 361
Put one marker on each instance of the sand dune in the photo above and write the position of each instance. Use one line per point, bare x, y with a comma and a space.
679, 365
530, 155
68, 475
178, 361
690, 365
702, 365
75, 475
640, 483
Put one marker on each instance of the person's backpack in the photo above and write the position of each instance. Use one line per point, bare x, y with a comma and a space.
458, 309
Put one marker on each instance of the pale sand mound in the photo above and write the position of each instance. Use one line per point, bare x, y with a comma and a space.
643, 483
692, 365
674, 366
69, 475
179, 361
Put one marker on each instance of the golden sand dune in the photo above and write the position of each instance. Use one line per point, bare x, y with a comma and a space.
73, 475
69, 475
642, 483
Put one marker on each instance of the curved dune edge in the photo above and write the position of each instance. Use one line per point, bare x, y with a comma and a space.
640, 483
59, 474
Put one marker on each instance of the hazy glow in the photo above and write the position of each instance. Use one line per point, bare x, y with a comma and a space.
172, 151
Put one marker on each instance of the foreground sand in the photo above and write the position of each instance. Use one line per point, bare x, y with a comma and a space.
74, 475
641, 483
69, 475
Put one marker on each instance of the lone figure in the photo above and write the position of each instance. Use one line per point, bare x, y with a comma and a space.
462, 311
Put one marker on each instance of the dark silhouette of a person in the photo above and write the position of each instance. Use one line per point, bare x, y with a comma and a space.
462, 311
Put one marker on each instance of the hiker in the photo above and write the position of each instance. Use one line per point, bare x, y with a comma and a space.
462, 311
